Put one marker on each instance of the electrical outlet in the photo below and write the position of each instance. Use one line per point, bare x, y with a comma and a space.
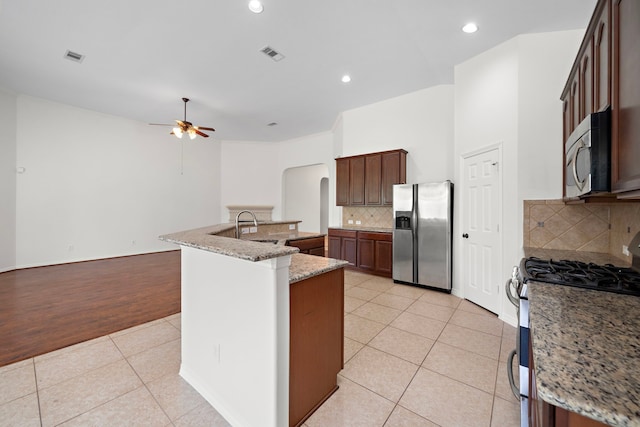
358, 222
350, 221
625, 250
292, 226
244, 230
253, 229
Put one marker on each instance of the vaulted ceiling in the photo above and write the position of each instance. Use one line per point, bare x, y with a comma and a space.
143, 56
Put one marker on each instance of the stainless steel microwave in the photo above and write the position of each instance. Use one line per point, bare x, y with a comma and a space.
588, 156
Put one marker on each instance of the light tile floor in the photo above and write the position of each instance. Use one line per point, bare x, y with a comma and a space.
413, 357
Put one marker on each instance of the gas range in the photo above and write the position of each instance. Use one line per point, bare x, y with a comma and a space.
605, 277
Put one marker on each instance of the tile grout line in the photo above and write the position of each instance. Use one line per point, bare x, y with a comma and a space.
35, 379
396, 404
140, 378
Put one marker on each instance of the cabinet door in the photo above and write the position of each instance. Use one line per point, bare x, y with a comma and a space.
349, 250
342, 182
602, 58
335, 247
373, 176
625, 150
394, 171
366, 254
383, 256
586, 80
356, 178
576, 112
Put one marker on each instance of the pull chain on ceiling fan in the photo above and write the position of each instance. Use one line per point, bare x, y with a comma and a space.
184, 126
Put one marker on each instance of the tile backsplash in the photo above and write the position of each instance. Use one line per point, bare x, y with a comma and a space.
604, 228
369, 216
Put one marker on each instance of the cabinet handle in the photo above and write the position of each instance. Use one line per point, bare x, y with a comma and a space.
465, 235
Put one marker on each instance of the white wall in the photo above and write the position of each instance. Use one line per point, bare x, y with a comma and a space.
311, 150
249, 176
94, 184
420, 122
302, 196
7, 181
509, 95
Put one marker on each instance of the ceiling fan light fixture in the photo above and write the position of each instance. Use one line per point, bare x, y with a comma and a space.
177, 132
192, 133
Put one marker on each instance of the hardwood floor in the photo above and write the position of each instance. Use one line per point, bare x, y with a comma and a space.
47, 308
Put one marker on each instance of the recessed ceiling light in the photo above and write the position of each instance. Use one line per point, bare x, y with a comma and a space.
470, 28
255, 6
346, 78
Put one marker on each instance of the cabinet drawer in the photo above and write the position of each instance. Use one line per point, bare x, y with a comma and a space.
343, 233
307, 244
371, 235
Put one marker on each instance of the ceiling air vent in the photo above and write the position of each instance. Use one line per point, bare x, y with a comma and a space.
73, 56
271, 53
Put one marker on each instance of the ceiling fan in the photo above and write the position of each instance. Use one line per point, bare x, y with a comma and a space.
184, 126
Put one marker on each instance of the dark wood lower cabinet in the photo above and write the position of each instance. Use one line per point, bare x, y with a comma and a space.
370, 252
317, 338
311, 246
375, 253
343, 245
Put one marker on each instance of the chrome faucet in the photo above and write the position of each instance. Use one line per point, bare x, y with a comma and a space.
255, 222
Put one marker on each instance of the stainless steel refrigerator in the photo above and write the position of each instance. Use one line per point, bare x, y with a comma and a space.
422, 234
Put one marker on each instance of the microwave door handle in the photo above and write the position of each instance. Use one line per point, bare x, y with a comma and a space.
574, 160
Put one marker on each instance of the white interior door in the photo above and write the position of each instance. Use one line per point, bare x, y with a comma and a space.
481, 242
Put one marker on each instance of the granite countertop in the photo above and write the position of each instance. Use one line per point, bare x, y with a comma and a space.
205, 238
361, 228
586, 350
304, 266
251, 249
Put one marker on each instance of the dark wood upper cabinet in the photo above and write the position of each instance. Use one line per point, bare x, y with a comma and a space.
605, 74
373, 176
357, 181
342, 181
368, 179
394, 171
602, 58
625, 110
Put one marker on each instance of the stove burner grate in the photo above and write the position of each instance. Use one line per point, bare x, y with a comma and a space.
605, 277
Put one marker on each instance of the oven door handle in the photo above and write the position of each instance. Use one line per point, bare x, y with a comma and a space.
512, 382
508, 287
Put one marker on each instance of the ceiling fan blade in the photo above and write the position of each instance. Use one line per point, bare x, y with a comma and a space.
202, 134
205, 128
159, 124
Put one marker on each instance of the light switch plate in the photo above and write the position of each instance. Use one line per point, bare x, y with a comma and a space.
350, 221
292, 226
358, 222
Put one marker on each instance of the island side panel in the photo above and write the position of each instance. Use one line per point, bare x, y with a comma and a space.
317, 342
235, 335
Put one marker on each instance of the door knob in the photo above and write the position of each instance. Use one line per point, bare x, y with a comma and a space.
465, 235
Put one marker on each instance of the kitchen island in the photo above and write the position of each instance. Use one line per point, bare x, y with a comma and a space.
586, 352
262, 325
